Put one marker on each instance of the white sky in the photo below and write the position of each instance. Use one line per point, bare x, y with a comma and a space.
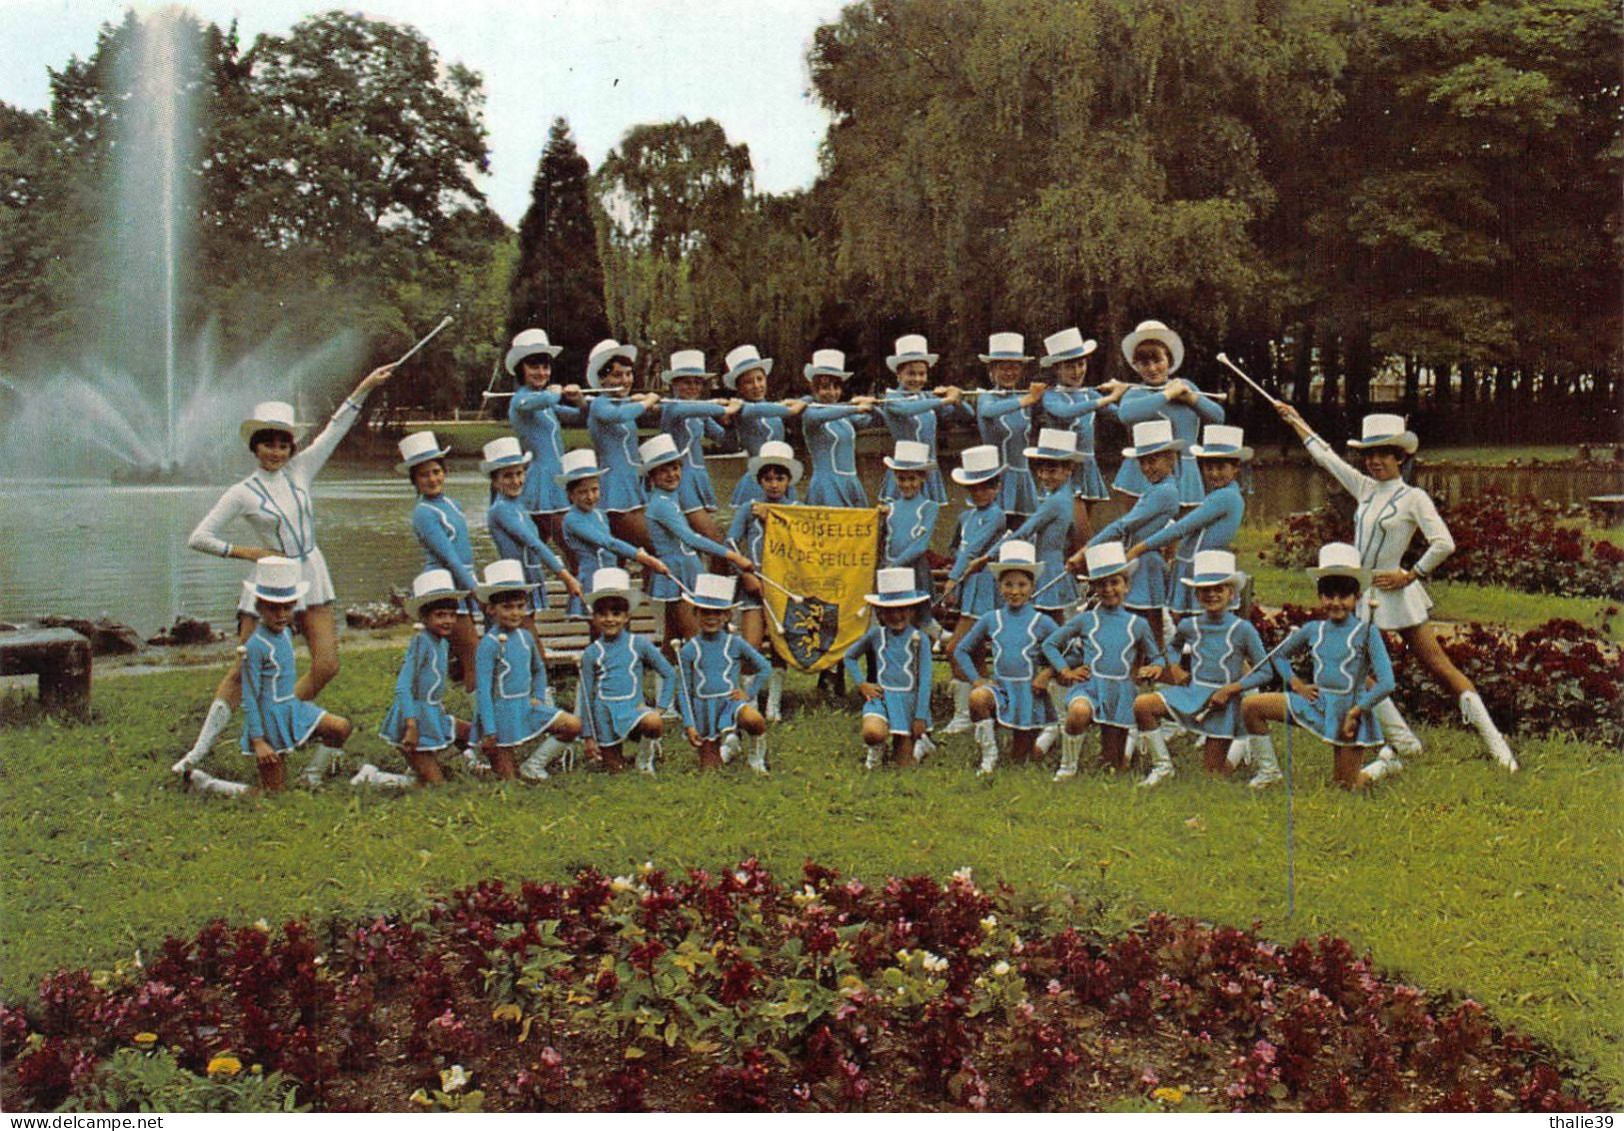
605, 65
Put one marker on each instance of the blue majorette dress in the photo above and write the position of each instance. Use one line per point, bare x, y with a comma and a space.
688, 423
1344, 655
536, 417
1143, 403
914, 416
1154, 509
443, 533
711, 667
270, 710
979, 528
587, 537
747, 533
611, 421
908, 531
510, 686
1112, 644
1016, 637
677, 544
902, 670
514, 533
831, 444
419, 694
757, 422
1073, 410
1049, 530
611, 691
1005, 422
1210, 526
1221, 650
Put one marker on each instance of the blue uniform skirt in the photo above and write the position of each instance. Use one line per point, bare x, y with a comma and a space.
935, 488
435, 728
1019, 492
896, 708
1147, 588
1185, 703
288, 725
1324, 717
517, 720
695, 492
1110, 698
613, 720
1018, 707
622, 490
683, 567
978, 596
828, 488
715, 716
1087, 482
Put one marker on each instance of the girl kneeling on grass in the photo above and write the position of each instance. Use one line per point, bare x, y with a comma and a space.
611, 688
418, 723
1336, 706
897, 706
511, 681
717, 701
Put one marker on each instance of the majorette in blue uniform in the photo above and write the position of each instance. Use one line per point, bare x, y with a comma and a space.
675, 542
1015, 637
1212, 525
747, 532
758, 422
586, 530
1050, 525
831, 439
1144, 403
537, 417
1073, 410
612, 669
1112, 644
979, 530
510, 525
440, 527
611, 421
1005, 422
911, 523
914, 416
688, 423
711, 665
270, 710
1222, 648
510, 676
1156, 507
420, 686
902, 659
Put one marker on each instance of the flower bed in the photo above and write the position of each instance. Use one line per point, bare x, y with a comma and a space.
731, 992
1525, 544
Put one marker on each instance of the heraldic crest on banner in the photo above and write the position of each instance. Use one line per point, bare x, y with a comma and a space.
817, 562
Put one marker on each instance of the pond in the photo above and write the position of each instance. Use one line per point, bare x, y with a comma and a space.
91, 549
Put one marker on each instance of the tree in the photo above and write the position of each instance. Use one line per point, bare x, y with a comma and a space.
557, 282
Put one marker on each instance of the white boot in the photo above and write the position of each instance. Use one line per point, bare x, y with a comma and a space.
1161, 762
1071, 751
1240, 753
1047, 738
1386, 765
987, 742
775, 696
200, 782
961, 709
924, 748
1268, 768
730, 747
321, 763
874, 756
369, 774
535, 766
647, 751
758, 754
475, 764
1396, 731
213, 723
1475, 713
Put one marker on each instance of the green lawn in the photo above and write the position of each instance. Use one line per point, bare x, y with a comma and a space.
1455, 875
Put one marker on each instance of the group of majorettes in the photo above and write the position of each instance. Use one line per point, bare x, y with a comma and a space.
1071, 622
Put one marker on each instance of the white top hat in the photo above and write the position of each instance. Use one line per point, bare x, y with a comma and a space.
911, 347
582, 463
1065, 346
1006, 347
419, 447
657, 451
1151, 330
1152, 436
1055, 443
911, 455
740, 361
276, 579
977, 465
1222, 441
275, 416
1016, 554
895, 587
827, 363
612, 581
686, 363
529, 343
1384, 430
1212, 567
776, 453
711, 591
505, 575
599, 357
504, 451
430, 586
1105, 560
1339, 559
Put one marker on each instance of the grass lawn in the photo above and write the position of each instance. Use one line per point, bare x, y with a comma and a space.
1456, 875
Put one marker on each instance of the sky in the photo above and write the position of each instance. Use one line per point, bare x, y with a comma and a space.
605, 65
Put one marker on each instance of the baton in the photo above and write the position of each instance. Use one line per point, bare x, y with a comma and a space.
1266, 395
759, 576
444, 322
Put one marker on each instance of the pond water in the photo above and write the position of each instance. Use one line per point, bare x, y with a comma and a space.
91, 549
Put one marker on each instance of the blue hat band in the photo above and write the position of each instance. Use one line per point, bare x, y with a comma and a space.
1377, 441
1219, 450
277, 592
907, 597
1006, 357
980, 476
687, 373
1211, 579
1067, 355
1050, 453
506, 461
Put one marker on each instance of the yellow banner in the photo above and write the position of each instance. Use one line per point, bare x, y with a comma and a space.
818, 562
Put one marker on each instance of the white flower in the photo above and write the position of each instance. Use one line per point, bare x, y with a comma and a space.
964, 874
622, 884
989, 922
934, 963
1001, 969
454, 1079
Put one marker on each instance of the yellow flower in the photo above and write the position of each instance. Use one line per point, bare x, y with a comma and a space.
421, 1098
507, 1011
224, 1066
1172, 1096
144, 1041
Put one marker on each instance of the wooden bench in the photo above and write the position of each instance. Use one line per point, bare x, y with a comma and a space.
566, 639
60, 657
